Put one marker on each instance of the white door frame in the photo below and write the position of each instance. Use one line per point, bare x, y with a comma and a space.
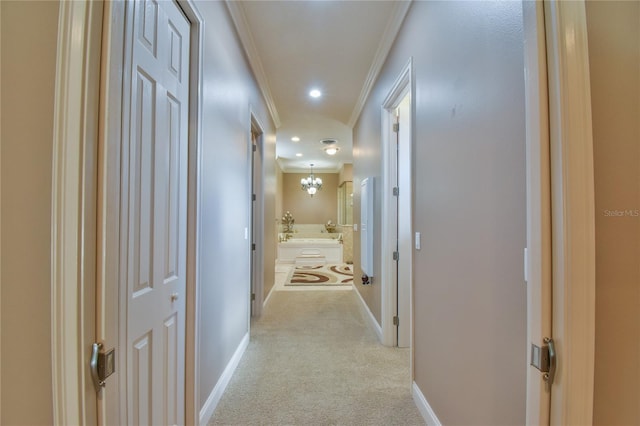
538, 181
556, 45
257, 222
573, 211
73, 242
403, 85
78, 111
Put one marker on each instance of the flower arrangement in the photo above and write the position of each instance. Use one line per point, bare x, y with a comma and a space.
287, 222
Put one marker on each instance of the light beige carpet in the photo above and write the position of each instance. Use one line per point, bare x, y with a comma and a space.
313, 360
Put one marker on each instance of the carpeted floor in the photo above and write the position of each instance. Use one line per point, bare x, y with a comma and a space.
313, 360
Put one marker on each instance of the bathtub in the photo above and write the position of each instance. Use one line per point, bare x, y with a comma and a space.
310, 251
307, 241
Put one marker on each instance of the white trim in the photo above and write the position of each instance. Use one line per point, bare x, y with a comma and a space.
538, 251
246, 39
0, 229
196, 67
573, 211
73, 242
369, 315
212, 401
264, 304
108, 215
258, 214
400, 88
425, 409
394, 24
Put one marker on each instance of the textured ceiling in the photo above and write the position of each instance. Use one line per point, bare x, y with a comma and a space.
329, 45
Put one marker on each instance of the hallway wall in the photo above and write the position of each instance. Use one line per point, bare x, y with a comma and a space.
29, 42
469, 204
613, 30
271, 206
229, 88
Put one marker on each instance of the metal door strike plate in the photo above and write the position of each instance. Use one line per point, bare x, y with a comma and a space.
540, 357
106, 364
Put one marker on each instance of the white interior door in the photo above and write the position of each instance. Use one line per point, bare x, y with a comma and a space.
154, 201
405, 227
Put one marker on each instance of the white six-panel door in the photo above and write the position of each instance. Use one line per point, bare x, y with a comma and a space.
154, 201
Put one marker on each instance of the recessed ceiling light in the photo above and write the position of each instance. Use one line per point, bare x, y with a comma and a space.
299, 154
295, 139
315, 93
332, 150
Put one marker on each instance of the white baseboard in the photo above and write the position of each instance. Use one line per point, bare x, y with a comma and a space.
425, 409
264, 304
214, 398
372, 320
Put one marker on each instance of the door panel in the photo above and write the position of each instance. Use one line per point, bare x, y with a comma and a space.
154, 226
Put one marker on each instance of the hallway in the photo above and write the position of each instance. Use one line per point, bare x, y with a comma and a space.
313, 360
522, 199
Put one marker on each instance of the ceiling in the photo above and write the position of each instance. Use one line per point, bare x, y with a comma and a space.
337, 47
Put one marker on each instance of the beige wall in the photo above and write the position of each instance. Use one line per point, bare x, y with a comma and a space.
469, 174
29, 36
614, 57
279, 193
271, 206
346, 173
306, 209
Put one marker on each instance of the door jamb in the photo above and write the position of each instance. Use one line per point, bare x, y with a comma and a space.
74, 192
403, 85
573, 211
194, 195
257, 222
538, 210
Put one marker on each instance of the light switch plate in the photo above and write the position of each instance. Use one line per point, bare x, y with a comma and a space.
418, 240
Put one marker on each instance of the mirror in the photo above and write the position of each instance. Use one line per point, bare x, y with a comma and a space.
345, 203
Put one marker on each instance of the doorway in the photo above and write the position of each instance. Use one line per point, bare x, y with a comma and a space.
397, 228
150, 116
257, 218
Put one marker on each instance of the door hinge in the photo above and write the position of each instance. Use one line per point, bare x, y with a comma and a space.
396, 255
396, 320
253, 246
396, 127
254, 148
253, 197
253, 297
396, 191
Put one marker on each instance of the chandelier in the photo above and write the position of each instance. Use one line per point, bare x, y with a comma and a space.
311, 184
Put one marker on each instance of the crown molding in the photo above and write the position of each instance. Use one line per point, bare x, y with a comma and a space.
391, 31
246, 39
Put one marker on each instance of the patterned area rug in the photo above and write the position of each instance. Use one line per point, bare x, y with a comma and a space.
321, 275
